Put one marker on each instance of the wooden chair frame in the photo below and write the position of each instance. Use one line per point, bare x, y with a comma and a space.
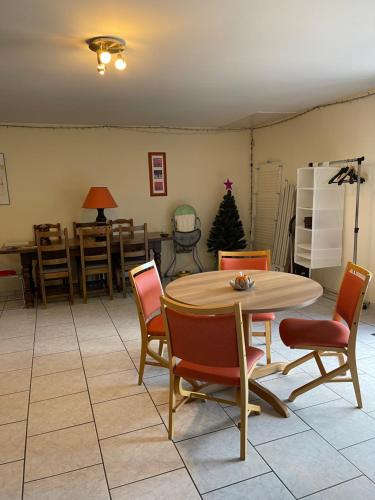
43, 264
346, 355
175, 386
146, 350
267, 333
95, 238
136, 256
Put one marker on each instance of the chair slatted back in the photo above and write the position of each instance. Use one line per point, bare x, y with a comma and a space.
116, 223
46, 228
252, 260
95, 246
86, 225
134, 252
209, 337
56, 254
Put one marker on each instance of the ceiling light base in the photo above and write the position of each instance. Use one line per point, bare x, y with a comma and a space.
111, 44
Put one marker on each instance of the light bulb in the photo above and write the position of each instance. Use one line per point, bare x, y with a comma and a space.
105, 57
120, 63
101, 68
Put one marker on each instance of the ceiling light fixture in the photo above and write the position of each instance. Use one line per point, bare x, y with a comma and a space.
104, 47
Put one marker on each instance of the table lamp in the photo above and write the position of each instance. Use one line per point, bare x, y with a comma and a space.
99, 198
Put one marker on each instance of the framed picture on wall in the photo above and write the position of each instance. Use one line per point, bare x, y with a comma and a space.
157, 168
4, 191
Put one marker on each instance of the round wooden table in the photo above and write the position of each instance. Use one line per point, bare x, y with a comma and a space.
272, 292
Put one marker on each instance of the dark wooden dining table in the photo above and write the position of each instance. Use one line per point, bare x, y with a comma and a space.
28, 254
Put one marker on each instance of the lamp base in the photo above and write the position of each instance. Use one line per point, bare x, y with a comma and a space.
101, 218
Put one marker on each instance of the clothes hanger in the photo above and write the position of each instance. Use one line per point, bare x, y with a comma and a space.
342, 171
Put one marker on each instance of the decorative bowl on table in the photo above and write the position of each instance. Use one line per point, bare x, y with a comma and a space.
242, 282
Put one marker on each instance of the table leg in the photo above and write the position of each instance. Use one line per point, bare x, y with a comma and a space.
27, 273
156, 249
269, 397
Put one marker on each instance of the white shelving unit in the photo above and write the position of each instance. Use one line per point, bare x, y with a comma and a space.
320, 246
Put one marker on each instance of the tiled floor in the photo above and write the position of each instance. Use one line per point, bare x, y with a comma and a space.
74, 423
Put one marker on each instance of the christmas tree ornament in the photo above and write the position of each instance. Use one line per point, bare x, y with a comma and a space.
228, 185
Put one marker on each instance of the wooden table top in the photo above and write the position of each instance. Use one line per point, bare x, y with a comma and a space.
30, 247
273, 291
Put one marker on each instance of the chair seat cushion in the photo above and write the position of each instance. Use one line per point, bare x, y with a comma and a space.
217, 374
8, 272
263, 317
155, 326
308, 332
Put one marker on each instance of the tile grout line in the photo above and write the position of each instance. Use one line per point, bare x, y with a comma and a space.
333, 486
59, 429
339, 451
162, 421
92, 410
62, 473
265, 461
28, 407
145, 479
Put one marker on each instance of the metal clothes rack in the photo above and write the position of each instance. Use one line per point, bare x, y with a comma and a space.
359, 162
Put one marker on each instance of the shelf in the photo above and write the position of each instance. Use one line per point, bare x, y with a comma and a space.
304, 246
304, 228
304, 255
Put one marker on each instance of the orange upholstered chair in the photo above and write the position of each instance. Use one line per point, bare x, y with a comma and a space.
208, 345
336, 337
147, 289
251, 260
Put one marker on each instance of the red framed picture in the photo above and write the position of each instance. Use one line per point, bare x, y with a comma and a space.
157, 168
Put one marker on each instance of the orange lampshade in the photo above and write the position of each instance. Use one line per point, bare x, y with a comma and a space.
99, 197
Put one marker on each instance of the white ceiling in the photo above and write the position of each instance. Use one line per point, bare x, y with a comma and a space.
190, 62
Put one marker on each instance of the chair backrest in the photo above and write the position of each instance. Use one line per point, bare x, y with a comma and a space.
350, 298
117, 223
45, 228
147, 289
86, 225
139, 251
185, 219
210, 337
56, 253
95, 245
253, 260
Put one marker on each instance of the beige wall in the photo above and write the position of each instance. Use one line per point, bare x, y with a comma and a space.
50, 172
336, 132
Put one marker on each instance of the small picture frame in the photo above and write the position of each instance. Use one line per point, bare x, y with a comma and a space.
157, 167
4, 190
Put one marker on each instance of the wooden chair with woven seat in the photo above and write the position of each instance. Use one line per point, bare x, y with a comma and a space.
336, 337
134, 255
208, 344
95, 251
147, 290
53, 260
251, 260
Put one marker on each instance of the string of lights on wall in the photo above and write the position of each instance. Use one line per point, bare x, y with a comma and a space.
105, 47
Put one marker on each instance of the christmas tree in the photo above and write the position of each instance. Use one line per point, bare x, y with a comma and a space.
227, 231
